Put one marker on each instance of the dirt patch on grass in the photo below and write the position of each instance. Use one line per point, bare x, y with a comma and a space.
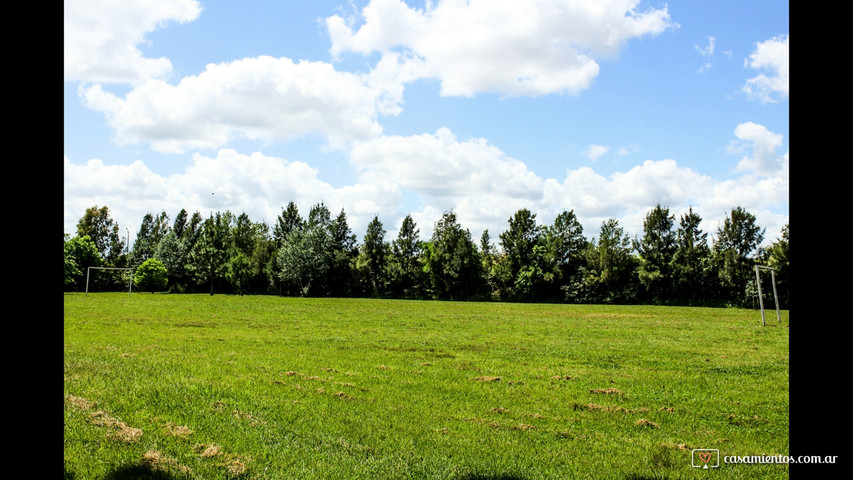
156, 461
500, 410
235, 464
253, 420
79, 402
118, 430
523, 426
608, 408
487, 379
561, 377
344, 396
643, 422
607, 391
178, 430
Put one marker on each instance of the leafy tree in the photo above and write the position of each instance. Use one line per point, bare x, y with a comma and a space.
151, 275
181, 222
609, 265
341, 256
656, 250
287, 221
452, 263
238, 271
151, 231
519, 240
777, 258
71, 268
690, 261
97, 224
735, 252
406, 270
319, 216
301, 259
372, 260
563, 254
209, 255
173, 253
80, 254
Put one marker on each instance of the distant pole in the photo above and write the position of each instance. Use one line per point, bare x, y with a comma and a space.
127, 249
760, 298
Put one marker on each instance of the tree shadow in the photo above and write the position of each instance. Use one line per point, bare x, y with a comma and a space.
491, 476
142, 472
637, 476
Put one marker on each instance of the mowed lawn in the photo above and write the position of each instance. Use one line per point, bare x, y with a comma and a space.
265, 387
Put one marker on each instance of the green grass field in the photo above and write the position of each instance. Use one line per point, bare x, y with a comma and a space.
264, 387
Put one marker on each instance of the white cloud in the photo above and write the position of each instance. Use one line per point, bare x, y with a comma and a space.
763, 143
257, 184
101, 38
771, 57
502, 46
263, 98
595, 151
472, 177
707, 51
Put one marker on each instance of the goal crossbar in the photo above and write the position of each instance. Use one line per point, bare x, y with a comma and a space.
758, 268
130, 282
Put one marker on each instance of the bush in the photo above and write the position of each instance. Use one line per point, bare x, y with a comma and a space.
151, 275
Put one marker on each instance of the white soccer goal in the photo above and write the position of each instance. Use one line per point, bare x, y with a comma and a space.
130, 282
758, 268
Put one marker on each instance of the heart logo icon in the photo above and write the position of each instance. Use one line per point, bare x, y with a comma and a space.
705, 456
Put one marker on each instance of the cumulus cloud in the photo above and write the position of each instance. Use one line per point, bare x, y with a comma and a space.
771, 57
472, 177
101, 39
263, 98
763, 145
500, 46
257, 184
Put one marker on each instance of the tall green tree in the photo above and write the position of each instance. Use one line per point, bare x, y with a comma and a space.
735, 250
518, 244
777, 259
99, 226
173, 253
656, 250
209, 255
342, 256
564, 248
373, 259
302, 258
691, 261
71, 268
609, 266
406, 269
151, 231
287, 221
452, 263
80, 254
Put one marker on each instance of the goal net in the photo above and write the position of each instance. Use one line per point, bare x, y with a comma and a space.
758, 269
129, 283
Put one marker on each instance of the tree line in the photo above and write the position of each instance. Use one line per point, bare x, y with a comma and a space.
673, 262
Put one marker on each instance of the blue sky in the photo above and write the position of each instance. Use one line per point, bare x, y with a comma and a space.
386, 108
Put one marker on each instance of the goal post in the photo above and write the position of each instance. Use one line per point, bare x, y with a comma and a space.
758, 269
129, 283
